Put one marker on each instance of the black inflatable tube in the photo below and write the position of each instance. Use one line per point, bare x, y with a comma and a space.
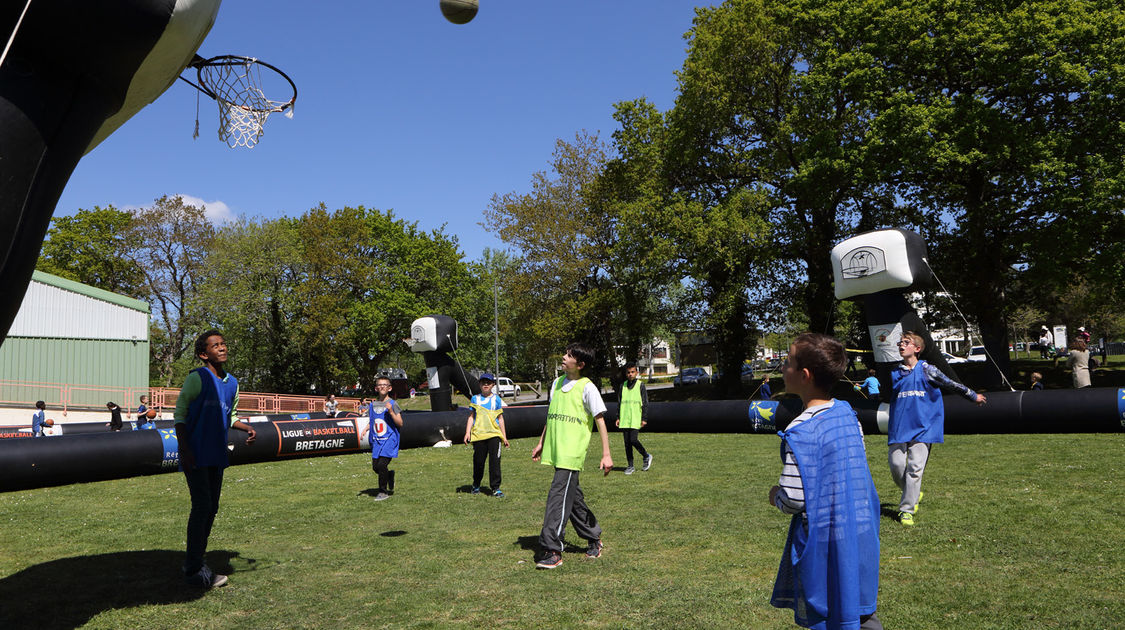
85, 457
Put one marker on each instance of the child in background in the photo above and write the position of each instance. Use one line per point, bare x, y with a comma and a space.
632, 415
829, 572
765, 392
206, 409
39, 419
1036, 382
576, 406
870, 386
485, 430
384, 421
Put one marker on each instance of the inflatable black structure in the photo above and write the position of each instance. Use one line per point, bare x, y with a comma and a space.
83, 457
75, 72
434, 337
879, 268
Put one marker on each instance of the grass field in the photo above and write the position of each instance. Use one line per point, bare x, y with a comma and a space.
1015, 532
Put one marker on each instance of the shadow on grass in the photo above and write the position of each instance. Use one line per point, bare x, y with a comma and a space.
531, 543
69, 592
889, 510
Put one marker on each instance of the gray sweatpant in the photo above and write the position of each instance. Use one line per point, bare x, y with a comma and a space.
565, 502
908, 462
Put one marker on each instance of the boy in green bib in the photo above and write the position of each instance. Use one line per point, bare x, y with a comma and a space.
576, 407
633, 403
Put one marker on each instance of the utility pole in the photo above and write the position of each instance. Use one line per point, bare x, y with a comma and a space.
496, 323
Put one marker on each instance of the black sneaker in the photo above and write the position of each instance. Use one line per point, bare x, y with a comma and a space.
206, 578
549, 561
594, 550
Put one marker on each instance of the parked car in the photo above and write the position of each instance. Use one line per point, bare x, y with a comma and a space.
505, 387
691, 376
976, 353
949, 358
748, 374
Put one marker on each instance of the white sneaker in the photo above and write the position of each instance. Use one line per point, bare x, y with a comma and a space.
648, 462
629, 470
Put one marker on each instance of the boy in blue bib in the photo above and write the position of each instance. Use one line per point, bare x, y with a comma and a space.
205, 411
829, 572
917, 420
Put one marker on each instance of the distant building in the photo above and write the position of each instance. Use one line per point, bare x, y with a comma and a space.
69, 333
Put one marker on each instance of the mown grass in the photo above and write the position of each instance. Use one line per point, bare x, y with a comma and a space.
1015, 532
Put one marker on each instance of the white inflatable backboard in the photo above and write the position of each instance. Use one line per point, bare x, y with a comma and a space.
873, 262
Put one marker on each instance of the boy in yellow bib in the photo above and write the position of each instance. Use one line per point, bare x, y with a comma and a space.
485, 430
576, 407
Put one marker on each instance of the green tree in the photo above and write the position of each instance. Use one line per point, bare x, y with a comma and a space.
92, 247
775, 104
1004, 126
170, 241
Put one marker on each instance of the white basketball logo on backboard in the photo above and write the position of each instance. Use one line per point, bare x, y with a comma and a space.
863, 261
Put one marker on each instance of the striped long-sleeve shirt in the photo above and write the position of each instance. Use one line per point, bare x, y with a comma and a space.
791, 498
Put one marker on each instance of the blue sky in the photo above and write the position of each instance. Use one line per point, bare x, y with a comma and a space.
397, 108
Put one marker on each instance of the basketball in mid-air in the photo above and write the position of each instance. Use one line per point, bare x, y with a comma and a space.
150, 414
459, 11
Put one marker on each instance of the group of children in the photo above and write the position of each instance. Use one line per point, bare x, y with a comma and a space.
829, 571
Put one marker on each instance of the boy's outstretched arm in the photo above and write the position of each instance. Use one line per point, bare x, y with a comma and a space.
607, 460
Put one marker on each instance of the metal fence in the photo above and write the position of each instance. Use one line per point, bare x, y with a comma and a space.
59, 396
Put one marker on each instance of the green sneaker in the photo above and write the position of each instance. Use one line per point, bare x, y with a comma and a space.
906, 518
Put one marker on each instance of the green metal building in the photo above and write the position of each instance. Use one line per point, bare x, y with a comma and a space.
75, 345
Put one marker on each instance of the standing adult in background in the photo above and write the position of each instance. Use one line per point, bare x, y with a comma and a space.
1079, 363
115, 423
1044, 342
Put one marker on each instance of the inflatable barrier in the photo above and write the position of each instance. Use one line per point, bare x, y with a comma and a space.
77, 457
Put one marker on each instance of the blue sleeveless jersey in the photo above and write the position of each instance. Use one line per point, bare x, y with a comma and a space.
829, 572
208, 419
382, 430
916, 414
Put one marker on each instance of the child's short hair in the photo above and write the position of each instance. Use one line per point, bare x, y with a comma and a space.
382, 378
915, 338
871, 372
1036, 376
822, 356
39, 404
201, 341
144, 399
582, 353
630, 365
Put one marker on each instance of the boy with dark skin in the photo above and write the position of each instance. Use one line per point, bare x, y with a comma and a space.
205, 410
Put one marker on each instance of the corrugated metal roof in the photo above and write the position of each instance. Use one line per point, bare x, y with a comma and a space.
63, 309
89, 291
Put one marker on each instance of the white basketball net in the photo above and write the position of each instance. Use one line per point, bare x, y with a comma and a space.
243, 107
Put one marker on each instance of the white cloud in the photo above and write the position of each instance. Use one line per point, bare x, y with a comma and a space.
218, 211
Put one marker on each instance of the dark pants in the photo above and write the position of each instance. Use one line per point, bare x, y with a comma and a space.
631, 441
565, 502
487, 449
379, 465
204, 484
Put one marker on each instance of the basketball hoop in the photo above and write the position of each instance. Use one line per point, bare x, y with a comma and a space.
238, 86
